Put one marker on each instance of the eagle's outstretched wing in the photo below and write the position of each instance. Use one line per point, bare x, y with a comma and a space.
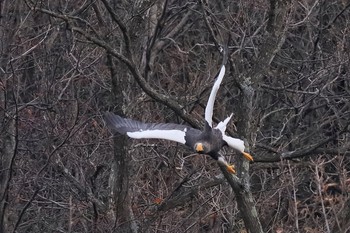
136, 129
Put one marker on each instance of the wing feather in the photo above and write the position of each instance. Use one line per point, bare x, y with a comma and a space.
210, 105
138, 130
222, 125
234, 143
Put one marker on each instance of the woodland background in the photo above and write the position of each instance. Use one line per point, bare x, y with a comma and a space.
63, 63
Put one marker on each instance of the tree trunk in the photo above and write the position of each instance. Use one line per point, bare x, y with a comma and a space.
120, 170
8, 153
8, 113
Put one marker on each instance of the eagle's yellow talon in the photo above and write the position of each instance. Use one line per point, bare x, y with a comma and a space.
247, 156
231, 169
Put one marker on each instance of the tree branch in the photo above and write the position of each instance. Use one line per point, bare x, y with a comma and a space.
122, 27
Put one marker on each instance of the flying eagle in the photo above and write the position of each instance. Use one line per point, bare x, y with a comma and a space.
208, 141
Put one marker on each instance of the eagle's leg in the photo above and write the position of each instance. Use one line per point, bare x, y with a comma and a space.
247, 156
229, 168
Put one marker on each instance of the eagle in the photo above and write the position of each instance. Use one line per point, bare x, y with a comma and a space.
208, 141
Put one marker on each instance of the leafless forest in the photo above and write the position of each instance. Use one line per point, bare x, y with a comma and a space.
65, 62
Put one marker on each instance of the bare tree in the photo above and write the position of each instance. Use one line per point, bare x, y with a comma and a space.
287, 83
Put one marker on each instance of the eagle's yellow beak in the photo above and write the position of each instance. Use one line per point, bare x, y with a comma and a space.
199, 147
